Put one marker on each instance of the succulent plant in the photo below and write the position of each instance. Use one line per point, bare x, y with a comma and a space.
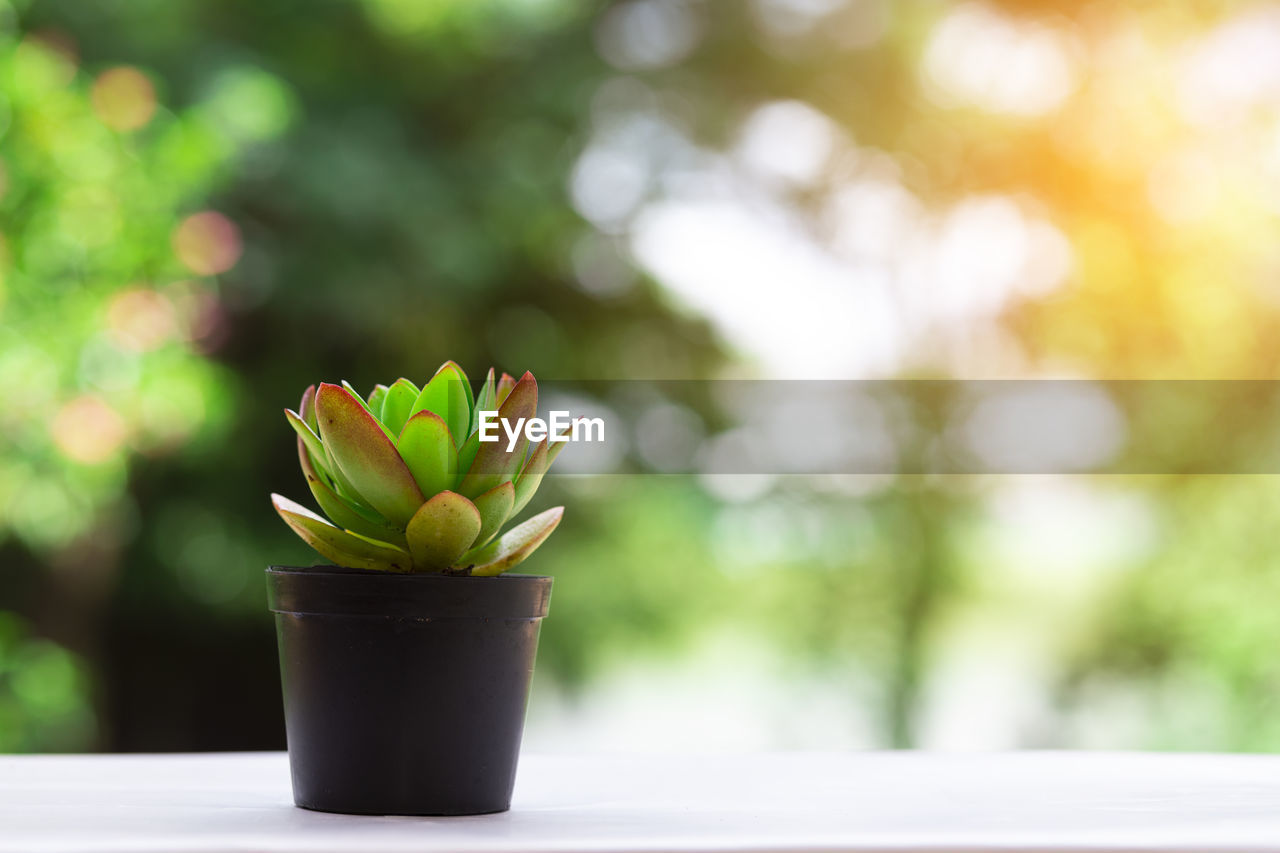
406, 483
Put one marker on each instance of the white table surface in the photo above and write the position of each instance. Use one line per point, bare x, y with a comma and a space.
794, 802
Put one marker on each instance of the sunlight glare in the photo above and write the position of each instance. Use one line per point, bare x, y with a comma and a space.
979, 57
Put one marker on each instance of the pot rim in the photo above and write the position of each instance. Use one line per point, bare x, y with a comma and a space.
327, 569
339, 591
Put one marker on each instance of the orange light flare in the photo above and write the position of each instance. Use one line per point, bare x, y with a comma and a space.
207, 243
141, 320
87, 430
123, 98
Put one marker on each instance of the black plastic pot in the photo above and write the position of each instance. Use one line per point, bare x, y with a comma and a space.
405, 694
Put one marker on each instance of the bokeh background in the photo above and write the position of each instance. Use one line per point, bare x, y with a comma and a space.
206, 205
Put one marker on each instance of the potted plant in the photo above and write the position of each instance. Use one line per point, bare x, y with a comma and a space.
406, 664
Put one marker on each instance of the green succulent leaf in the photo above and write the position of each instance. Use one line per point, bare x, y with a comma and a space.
306, 436
342, 547
535, 468
325, 464
493, 463
486, 402
319, 455
365, 455
467, 455
407, 484
514, 546
342, 513
342, 485
462, 378
360, 399
449, 396
427, 449
376, 397
442, 530
398, 405
307, 408
310, 466
505, 386
495, 508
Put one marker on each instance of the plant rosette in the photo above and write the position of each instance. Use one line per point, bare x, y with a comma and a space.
406, 664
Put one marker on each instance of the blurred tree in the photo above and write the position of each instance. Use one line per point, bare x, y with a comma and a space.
386, 223
396, 174
105, 305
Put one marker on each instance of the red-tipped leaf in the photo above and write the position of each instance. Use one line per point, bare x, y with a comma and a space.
487, 401
307, 408
505, 386
342, 547
535, 468
343, 514
494, 463
365, 455
514, 546
495, 508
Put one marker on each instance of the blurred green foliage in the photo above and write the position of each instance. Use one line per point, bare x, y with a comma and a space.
44, 693
369, 219
95, 302
205, 206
